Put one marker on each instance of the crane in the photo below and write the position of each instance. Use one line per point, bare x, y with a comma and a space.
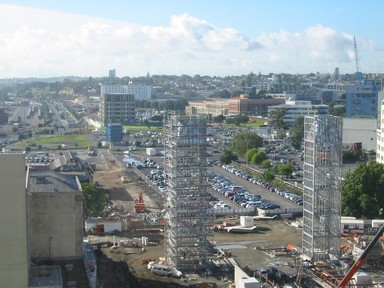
358, 74
359, 262
139, 203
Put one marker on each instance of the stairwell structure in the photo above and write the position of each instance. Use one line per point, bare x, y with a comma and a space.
188, 228
322, 186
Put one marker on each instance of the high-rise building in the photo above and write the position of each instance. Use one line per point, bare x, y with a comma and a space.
189, 223
112, 73
322, 186
117, 105
14, 260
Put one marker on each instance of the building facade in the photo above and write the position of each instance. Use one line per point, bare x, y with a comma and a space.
362, 99
296, 108
14, 260
114, 133
213, 107
233, 106
360, 130
55, 215
380, 136
117, 105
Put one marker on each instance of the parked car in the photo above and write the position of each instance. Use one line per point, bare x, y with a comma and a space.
162, 270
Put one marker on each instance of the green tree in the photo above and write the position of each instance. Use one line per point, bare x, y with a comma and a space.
249, 154
363, 191
221, 94
219, 119
268, 175
266, 164
285, 170
244, 141
276, 117
95, 200
297, 132
259, 157
228, 156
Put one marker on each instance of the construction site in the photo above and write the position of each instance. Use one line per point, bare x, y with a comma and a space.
179, 226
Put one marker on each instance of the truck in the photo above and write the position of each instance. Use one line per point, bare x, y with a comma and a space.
151, 151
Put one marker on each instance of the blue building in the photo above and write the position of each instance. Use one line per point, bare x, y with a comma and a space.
362, 99
114, 133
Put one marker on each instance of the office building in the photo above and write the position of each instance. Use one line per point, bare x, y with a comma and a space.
295, 108
362, 99
117, 105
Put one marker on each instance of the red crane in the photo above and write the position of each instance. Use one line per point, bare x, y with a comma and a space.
139, 203
360, 262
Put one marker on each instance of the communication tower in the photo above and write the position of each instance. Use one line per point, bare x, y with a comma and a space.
322, 186
189, 220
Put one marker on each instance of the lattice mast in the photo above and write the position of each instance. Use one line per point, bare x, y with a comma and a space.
322, 186
189, 225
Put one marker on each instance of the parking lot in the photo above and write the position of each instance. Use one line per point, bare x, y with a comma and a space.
253, 189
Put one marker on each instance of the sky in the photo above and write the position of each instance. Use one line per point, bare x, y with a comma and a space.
87, 38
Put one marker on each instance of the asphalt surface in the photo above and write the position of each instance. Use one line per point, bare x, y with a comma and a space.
251, 187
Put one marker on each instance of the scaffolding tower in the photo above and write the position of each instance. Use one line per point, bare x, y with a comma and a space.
189, 222
322, 186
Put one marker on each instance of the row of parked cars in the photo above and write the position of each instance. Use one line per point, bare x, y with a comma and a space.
282, 192
239, 195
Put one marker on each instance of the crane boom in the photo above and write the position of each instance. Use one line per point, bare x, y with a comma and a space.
359, 262
358, 73
356, 56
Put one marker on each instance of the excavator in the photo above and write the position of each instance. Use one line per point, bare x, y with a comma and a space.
360, 262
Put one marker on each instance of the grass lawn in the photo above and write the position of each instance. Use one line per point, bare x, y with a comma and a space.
72, 141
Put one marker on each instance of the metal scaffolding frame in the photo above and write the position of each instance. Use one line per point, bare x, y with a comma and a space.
322, 186
189, 224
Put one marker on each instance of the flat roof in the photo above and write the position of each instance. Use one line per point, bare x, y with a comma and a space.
45, 276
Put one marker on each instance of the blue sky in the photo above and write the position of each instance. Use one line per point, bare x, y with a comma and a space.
45, 38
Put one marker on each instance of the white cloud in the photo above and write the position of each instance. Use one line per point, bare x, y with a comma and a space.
44, 43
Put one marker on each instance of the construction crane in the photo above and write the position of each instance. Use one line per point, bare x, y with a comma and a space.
359, 262
358, 73
139, 203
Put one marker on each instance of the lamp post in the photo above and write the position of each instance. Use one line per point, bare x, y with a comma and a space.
50, 247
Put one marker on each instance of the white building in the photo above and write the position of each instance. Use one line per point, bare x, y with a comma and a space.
362, 130
296, 108
14, 260
141, 92
380, 136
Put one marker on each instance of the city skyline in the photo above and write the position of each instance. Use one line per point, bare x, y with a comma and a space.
215, 38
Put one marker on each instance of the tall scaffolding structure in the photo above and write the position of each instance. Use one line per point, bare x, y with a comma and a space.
322, 186
189, 219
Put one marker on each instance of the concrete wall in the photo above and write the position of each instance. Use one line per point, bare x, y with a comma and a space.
56, 225
360, 130
13, 226
242, 280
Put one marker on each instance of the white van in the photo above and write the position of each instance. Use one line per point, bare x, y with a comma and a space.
162, 270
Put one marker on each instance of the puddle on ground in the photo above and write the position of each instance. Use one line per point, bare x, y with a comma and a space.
232, 246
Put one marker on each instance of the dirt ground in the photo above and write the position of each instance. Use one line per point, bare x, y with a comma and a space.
123, 267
